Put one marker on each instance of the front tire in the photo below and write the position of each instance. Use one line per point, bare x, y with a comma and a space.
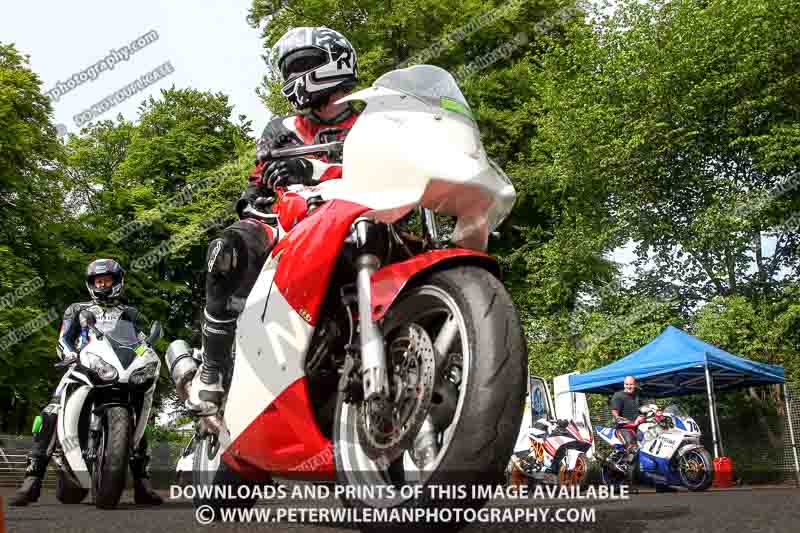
578, 476
108, 476
696, 469
476, 436
611, 477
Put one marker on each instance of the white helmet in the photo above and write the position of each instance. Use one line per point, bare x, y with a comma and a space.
313, 63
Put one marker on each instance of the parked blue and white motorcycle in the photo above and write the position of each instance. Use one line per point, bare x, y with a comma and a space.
669, 453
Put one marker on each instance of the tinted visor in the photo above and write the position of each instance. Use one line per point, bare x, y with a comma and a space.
302, 61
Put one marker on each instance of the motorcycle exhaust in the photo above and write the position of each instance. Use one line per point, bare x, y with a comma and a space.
182, 366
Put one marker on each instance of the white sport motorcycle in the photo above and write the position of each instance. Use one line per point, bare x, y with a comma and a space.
105, 403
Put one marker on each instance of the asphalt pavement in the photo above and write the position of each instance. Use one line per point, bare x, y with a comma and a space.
743, 509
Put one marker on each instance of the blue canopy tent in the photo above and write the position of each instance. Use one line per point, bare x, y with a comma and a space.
677, 364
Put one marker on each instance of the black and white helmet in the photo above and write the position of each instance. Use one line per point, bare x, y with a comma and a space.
104, 267
312, 64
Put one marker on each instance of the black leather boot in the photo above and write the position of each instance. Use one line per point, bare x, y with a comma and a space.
143, 492
207, 388
31, 486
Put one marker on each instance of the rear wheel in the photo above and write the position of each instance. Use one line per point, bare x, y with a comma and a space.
108, 476
457, 368
696, 469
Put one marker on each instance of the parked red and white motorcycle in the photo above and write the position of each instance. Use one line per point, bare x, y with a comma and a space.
365, 355
557, 454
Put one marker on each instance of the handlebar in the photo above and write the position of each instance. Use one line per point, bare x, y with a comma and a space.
299, 151
252, 212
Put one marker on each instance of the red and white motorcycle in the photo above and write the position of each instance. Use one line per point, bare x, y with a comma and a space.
364, 355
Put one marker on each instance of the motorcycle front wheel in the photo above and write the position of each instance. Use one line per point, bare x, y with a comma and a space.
611, 476
578, 476
696, 469
469, 407
108, 475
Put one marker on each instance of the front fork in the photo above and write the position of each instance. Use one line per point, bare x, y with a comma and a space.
373, 354
95, 427
374, 366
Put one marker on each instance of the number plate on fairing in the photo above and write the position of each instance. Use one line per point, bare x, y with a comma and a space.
663, 446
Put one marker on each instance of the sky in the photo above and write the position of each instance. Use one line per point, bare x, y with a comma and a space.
208, 43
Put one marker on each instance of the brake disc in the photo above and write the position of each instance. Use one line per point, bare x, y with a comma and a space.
387, 427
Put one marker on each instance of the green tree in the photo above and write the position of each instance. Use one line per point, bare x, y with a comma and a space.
683, 116
31, 194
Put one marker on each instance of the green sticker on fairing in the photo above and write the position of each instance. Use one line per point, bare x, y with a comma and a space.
455, 106
37, 424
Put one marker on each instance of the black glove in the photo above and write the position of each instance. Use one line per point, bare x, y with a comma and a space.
68, 360
289, 172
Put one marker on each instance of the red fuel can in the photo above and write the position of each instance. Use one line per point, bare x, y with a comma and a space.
723, 472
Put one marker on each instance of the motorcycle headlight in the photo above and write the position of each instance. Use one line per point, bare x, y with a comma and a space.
104, 371
143, 374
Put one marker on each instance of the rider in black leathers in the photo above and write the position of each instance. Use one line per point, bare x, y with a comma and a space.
105, 282
317, 67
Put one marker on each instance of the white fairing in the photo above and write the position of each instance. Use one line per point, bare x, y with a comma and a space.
270, 344
406, 150
71, 408
662, 444
104, 350
572, 458
610, 436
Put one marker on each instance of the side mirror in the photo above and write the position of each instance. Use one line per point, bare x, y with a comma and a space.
155, 333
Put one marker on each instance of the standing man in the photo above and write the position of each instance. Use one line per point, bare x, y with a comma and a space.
625, 409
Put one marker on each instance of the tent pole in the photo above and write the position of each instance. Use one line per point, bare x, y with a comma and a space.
711, 411
716, 419
791, 435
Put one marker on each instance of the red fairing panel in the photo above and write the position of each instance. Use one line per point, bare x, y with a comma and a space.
390, 280
309, 256
291, 209
284, 439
